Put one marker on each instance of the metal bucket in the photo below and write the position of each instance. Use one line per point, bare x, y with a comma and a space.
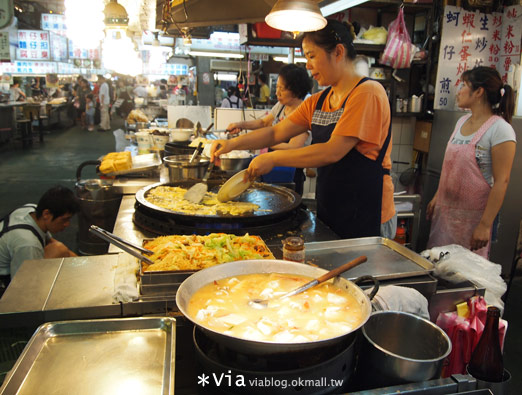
399, 348
180, 169
99, 204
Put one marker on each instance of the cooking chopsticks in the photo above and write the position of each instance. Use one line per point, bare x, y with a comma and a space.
120, 243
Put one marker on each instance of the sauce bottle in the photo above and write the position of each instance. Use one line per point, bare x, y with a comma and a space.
400, 235
294, 249
486, 361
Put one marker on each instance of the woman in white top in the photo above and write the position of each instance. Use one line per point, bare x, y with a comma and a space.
293, 84
477, 164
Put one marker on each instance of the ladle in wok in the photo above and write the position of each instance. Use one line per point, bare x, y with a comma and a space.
263, 303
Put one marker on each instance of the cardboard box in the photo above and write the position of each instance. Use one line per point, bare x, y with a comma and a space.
421, 140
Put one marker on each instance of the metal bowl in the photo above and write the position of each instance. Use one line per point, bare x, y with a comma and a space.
401, 348
234, 164
180, 169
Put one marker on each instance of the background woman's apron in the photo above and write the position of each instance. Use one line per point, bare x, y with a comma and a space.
348, 192
462, 194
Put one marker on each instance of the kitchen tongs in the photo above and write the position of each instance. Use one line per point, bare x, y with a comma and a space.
120, 243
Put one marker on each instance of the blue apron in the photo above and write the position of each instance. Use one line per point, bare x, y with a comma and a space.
348, 192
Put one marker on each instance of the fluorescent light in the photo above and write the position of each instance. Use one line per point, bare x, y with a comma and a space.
284, 59
226, 77
340, 5
217, 54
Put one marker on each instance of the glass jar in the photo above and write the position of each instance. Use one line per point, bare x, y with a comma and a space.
294, 249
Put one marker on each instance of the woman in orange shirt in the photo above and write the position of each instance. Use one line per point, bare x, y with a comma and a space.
351, 139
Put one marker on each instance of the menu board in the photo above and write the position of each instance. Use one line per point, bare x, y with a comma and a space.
33, 44
54, 23
471, 39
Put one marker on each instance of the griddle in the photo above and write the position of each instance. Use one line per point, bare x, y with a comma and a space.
275, 203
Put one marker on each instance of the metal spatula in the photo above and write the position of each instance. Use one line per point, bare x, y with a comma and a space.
196, 192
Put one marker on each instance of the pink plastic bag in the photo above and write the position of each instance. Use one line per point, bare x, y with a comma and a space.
397, 52
465, 334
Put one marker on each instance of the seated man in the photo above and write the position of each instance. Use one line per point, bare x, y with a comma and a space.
26, 233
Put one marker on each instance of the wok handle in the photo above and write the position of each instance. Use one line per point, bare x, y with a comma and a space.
82, 165
341, 269
375, 284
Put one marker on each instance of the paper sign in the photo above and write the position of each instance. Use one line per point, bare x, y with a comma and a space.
471, 39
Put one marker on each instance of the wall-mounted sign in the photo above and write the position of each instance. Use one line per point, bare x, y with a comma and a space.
471, 39
54, 23
33, 45
6, 13
165, 69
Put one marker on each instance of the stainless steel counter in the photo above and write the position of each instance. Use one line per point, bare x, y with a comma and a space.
63, 288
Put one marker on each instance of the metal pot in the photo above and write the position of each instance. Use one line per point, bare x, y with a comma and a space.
401, 347
218, 272
180, 169
234, 164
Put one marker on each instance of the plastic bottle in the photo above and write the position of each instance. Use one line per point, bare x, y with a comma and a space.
294, 249
400, 235
486, 362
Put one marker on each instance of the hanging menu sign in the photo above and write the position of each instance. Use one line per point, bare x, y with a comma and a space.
33, 45
28, 67
54, 23
471, 39
58, 47
77, 52
5, 54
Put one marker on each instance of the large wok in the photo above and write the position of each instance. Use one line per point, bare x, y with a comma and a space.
205, 276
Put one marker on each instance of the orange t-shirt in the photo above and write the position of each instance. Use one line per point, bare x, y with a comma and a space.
366, 116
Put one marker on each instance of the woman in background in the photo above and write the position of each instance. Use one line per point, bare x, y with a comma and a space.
293, 84
477, 164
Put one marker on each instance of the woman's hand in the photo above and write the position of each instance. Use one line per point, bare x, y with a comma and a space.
480, 237
218, 148
234, 128
430, 208
260, 165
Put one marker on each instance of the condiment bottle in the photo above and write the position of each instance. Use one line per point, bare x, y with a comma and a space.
400, 235
294, 249
486, 362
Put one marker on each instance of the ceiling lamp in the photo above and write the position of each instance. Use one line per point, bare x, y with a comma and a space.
115, 15
296, 16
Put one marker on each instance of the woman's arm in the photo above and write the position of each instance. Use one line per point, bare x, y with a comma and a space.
260, 138
236, 127
502, 156
431, 206
295, 142
316, 155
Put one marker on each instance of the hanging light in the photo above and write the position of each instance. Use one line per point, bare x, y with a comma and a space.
118, 50
296, 16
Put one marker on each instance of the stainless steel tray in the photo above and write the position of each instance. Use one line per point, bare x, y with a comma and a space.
125, 355
387, 259
140, 163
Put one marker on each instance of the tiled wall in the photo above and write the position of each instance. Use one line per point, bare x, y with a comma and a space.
403, 130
